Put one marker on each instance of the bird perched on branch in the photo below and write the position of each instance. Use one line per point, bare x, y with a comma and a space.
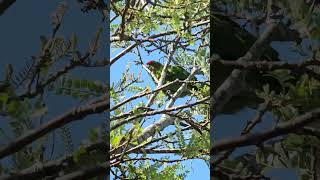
173, 73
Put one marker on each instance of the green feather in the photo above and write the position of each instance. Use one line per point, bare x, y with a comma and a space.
173, 73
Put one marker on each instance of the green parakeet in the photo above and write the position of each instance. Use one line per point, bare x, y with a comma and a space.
173, 73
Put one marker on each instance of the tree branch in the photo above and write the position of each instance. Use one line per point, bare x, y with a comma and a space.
257, 138
235, 83
52, 167
74, 114
5, 4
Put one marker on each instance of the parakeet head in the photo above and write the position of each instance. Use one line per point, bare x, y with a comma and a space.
150, 62
154, 65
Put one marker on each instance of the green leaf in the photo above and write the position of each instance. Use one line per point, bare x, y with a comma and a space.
43, 42
95, 42
12, 107
176, 22
74, 42
93, 134
39, 111
79, 153
4, 98
115, 140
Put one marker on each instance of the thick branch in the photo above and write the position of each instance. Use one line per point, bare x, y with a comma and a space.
235, 83
162, 111
101, 169
257, 138
266, 65
164, 120
53, 167
76, 113
5, 4
298, 68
